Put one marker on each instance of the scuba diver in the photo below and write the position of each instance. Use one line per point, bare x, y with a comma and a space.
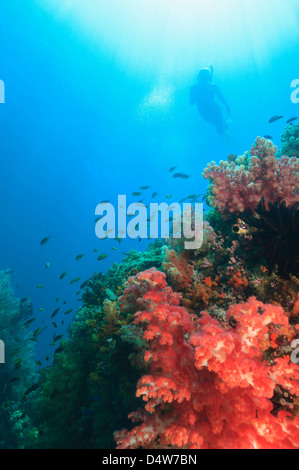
203, 95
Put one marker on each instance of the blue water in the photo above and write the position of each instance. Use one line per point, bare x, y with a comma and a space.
80, 125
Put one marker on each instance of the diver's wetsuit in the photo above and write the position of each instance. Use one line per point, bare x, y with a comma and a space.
203, 95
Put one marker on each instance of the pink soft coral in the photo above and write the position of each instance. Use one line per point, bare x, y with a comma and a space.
241, 184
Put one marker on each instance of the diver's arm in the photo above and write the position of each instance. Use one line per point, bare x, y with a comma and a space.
221, 98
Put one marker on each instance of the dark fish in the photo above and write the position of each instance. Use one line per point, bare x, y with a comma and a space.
36, 334
181, 175
84, 284
73, 281
55, 312
28, 322
47, 358
136, 193
59, 350
95, 250
63, 275
31, 389
267, 136
38, 363
144, 188
102, 256
291, 120
18, 363
57, 299
154, 195
54, 324
40, 286
57, 338
68, 311
15, 379
44, 240
78, 257
172, 169
114, 248
275, 118
47, 265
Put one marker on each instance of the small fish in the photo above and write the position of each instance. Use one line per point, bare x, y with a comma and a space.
54, 324
47, 265
44, 240
291, 120
78, 257
168, 196
240, 228
172, 169
73, 281
15, 379
68, 311
63, 275
31, 389
57, 299
28, 322
102, 256
41, 309
40, 286
84, 284
47, 358
59, 350
154, 195
144, 188
95, 250
136, 194
267, 136
57, 338
274, 118
181, 175
38, 363
36, 334
115, 248
18, 363
64, 302
55, 312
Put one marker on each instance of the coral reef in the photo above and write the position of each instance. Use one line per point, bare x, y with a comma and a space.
290, 141
18, 370
207, 335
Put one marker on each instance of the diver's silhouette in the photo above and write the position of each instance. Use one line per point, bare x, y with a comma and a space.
203, 95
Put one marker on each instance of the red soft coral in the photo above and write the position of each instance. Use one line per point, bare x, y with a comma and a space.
209, 386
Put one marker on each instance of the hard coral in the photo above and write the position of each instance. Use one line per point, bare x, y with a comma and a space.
210, 386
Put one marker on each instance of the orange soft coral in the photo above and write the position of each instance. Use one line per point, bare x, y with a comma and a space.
210, 386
